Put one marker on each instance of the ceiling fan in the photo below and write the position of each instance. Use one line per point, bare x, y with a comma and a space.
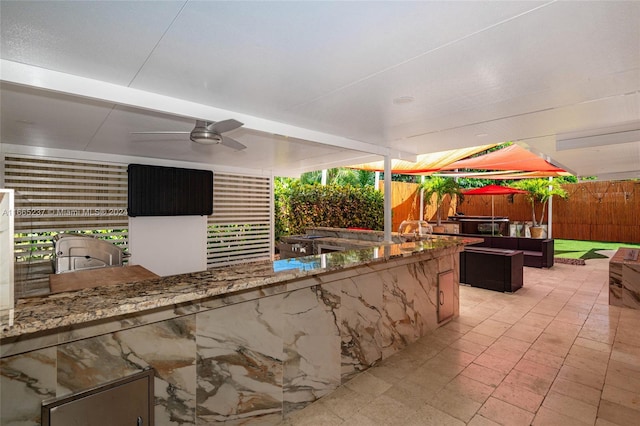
208, 133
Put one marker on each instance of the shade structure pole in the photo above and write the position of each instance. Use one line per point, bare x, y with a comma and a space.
492, 215
387, 199
550, 212
376, 181
323, 179
422, 200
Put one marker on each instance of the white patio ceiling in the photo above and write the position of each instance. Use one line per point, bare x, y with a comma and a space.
315, 82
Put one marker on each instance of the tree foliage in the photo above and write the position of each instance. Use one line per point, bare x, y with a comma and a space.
299, 206
440, 187
540, 191
340, 176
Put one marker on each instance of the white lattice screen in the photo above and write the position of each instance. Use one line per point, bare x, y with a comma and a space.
240, 228
56, 195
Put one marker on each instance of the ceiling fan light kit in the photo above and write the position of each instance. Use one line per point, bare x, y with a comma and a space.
209, 133
203, 135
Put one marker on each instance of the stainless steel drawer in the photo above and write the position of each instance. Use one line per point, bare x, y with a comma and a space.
123, 402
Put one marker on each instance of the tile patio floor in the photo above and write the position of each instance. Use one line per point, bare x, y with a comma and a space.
553, 353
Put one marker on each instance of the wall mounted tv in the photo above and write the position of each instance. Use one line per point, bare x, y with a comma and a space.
169, 191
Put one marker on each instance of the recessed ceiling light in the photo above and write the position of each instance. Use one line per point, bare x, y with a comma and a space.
482, 135
403, 100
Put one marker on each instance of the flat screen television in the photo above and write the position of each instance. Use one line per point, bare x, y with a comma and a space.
169, 191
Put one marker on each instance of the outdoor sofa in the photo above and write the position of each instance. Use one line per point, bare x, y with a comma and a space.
538, 253
497, 262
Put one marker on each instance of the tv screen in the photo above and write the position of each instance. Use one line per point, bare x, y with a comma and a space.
169, 191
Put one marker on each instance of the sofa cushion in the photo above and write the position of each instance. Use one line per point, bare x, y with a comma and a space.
537, 252
505, 243
533, 261
530, 244
491, 250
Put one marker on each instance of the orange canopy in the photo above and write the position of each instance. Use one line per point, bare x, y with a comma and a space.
513, 158
504, 175
426, 164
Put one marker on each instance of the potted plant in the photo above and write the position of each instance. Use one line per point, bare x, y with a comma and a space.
440, 186
540, 191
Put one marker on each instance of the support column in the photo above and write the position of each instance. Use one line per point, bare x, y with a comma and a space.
550, 212
421, 200
387, 199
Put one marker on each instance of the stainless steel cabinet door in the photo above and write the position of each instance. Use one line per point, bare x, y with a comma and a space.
127, 402
446, 287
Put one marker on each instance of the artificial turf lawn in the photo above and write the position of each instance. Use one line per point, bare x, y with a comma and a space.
576, 249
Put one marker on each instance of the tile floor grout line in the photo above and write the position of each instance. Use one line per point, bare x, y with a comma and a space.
573, 297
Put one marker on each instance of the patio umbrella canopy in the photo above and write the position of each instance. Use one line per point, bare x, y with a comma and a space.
494, 190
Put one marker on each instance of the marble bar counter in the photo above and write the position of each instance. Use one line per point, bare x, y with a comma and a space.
240, 344
624, 278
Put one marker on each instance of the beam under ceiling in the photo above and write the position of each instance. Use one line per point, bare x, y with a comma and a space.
27, 75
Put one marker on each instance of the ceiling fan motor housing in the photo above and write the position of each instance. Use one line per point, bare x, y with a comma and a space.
202, 134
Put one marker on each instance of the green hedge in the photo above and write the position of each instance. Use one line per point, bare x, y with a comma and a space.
299, 206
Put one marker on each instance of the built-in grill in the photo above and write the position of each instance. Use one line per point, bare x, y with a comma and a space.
77, 252
325, 240
297, 246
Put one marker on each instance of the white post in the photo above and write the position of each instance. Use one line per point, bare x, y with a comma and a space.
387, 199
323, 180
550, 212
422, 200
376, 183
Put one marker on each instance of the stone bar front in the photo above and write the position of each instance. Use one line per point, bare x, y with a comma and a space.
242, 344
624, 278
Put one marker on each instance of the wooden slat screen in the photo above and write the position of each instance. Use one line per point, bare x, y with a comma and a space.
240, 228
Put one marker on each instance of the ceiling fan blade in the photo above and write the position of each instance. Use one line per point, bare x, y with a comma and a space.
224, 126
159, 133
232, 143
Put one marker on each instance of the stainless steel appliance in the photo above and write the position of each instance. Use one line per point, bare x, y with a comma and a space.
482, 224
297, 246
414, 230
76, 252
123, 402
325, 248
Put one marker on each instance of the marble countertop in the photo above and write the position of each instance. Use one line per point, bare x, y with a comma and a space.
625, 255
37, 314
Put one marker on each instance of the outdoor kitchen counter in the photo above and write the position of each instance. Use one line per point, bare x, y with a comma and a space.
239, 344
54, 311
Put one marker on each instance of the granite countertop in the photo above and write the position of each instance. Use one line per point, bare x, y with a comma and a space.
52, 311
626, 255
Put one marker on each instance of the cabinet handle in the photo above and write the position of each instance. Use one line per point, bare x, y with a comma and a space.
441, 297
139, 421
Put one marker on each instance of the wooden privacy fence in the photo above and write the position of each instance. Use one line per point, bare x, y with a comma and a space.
593, 211
599, 211
405, 204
